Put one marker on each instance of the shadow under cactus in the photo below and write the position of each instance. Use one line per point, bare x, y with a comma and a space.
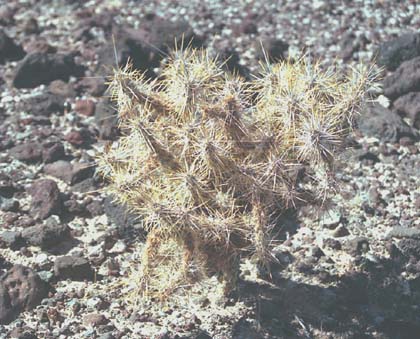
373, 301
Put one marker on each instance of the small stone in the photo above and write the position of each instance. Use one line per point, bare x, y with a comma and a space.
409, 106
79, 138
382, 123
403, 232
9, 218
94, 86
340, 231
68, 172
332, 243
48, 235
11, 239
52, 151
271, 48
42, 104
73, 268
406, 141
85, 107
94, 319
42, 68
38, 45
61, 88
21, 289
9, 205
46, 199
331, 219
28, 152
404, 80
9, 51
7, 188
316, 252
394, 52
357, 246
95, 208
31, 26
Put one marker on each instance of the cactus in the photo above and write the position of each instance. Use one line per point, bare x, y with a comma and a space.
209, 160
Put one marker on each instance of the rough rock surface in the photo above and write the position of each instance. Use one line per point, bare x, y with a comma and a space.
404, 80
74, 268
47, 235
409, 106
46, 199
40, 68
21, 289
9, 50
380, 122
393, 53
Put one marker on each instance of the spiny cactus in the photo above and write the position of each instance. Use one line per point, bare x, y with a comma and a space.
209, 160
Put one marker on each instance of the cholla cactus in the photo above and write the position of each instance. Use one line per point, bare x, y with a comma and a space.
208, 160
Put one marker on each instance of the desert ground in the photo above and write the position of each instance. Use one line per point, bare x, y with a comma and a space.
69, 253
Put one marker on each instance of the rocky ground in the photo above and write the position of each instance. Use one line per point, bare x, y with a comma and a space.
67, 252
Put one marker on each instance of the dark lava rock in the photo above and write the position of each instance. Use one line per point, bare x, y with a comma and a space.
46, 235
410, 247
404, 80
340, 231
106, 119
46, 198
119, 214
52, 151
39, 68
350, 43
9, 205
7, 188
273, 49
38, 45
73, 207
248, 25
95, 208
73, 268
30, 26
380, 122
409, 106
94, 86
85, 186
7, 14
43, 104
21, 289
148, 44
392, 53
11, 239
62, 89
85, 107
9, 51
332, 243
70, 173
243, 329
94, 319
28, 152
368, 158
403, 232
357, 246
79, 138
